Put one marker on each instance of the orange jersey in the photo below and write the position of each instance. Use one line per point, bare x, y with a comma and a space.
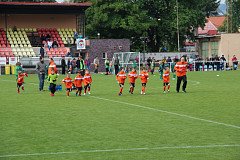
132, 76
51, 66
68, 82
121, 76
144, 76
21, 77
78, 81
181, 68
166, 77
87, 79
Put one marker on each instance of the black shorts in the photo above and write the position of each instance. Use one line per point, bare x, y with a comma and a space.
79, 88
121, 84
144, 84
69, 89
87, 86
166, 83
132, 85
19, 85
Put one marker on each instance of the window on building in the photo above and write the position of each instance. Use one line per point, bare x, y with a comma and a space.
214, 48
205, 50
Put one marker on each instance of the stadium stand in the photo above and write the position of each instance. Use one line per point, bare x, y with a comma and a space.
20, 44
67, 35
5, 48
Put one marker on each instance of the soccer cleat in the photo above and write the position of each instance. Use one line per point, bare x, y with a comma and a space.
18, 91
89, 93
164, 91
22, 88
168, 90
184, 91
144, 93
84, 94
141, 92
119, 94
76, 94
51, 94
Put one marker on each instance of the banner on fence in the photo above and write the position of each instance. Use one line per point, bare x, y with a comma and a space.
12, 60
3, 61
81, 43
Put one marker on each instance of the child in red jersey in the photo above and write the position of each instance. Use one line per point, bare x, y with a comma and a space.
166, 80
87, 82
78, 83
68, 84
20, 80
144, 79
121, 76
132, 78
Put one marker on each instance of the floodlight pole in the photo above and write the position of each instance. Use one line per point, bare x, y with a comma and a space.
139, 62
178, 28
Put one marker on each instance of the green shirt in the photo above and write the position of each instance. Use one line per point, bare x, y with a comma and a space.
52, 78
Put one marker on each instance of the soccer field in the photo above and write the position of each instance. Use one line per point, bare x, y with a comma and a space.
202, 124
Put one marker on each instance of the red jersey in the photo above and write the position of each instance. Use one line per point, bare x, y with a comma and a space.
132, 76
166, 77
87, 79
181, 68
78, 81
21, 77
121, 76
51, 66
144, 76
68, 82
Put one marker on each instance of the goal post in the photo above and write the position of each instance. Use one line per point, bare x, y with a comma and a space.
129, 60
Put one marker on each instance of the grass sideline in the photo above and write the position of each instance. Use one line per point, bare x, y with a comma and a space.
37, 126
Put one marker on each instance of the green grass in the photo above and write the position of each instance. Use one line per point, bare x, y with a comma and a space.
86, 127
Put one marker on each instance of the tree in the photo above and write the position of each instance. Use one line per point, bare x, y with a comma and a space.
117, 19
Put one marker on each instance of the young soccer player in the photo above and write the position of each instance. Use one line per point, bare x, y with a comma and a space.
78, 83
68, 84
132, 78
52, 78
87, 82
144, 80
121, 76
166, 80
20, 80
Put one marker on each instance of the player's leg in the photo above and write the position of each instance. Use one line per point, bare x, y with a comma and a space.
121, 89
18, 87
133, 86
80, 91
89, 88
179, 79
164, 87
168, 87
184, 83
85, 90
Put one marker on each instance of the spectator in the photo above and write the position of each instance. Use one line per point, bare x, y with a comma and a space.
42, 51
49, 43
69, 65
48, 37
169, 61
96, 64
207, 63
87, 63
54, 44
235, 62
107, 64
217, 62
41, 69
222, 62
153, 65
116, 65
63, 65
149, 61
82, 66
73, 64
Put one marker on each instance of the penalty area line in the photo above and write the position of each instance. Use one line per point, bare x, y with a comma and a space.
168, 112
121, 150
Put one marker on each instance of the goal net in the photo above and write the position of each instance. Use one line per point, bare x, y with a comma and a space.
129, 60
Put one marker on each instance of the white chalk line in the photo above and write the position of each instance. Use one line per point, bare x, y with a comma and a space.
121, 150
168, 112
158, 110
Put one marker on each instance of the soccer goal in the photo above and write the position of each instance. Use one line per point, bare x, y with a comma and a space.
129, 60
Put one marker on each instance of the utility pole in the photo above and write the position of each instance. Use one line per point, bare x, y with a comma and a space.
178, 43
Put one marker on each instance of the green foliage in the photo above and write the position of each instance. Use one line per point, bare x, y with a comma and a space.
154, 19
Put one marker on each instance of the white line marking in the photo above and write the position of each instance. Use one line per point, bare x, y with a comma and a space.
195, 82
158, 110
120, 150
168, 112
